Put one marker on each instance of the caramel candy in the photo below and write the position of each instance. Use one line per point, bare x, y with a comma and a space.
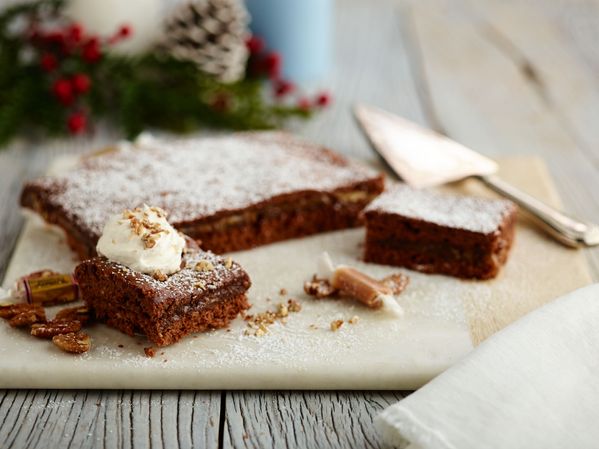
359, 286
47, 288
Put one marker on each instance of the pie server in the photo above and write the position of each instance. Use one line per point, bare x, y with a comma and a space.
423, 158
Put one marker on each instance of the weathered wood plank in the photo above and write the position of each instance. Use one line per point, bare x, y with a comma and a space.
109, 419
303, 419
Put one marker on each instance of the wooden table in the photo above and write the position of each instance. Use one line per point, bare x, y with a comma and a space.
505, 77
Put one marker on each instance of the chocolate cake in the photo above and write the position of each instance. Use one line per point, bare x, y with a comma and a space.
207, 293
461, 236
232, 192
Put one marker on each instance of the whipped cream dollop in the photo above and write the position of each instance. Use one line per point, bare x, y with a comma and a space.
143, 240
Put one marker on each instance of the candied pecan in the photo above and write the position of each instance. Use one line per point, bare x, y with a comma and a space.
11, 310
319, 288
80, 313
74, 342
26, 316
52, 328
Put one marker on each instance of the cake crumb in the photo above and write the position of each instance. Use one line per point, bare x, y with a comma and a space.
336, 325
282, 292
354, 319
121, 346
150, 351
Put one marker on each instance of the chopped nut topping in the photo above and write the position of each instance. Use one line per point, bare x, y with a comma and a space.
76, 343
283, 310
293, 305
148, 240
200, 284
159, 276
204, 265
396, 282
228, 263
335, 325
319, 288
354, 319
258, 324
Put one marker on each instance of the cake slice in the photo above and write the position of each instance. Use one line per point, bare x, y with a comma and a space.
232, 192
462, 236
207, 293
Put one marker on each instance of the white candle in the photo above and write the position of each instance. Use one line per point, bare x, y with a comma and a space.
105, 17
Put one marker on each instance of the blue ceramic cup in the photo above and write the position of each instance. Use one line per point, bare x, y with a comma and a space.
300, 30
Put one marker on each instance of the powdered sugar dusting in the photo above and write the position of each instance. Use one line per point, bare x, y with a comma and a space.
470, 213
196, 178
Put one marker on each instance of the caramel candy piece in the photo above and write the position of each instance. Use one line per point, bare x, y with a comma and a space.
359, 286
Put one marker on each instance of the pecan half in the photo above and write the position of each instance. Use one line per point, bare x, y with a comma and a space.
75, 343
80, 314
26, 316
52, 328
11, 310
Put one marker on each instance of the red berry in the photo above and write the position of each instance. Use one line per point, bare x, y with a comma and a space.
255, 44
91, 50
304, 104
63, 91
81, 83
75, 32
323, 99
283, 88
272, 65
124, 31
54, 37
48, 62
77, 122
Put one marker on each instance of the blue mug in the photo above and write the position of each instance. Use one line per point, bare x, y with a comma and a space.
300, 30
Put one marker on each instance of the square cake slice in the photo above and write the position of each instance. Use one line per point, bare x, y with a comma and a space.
462, 236
232, 192
207, 293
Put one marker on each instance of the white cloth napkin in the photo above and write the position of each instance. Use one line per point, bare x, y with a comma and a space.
535, 384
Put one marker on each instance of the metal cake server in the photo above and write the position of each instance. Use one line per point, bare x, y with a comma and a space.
423, 158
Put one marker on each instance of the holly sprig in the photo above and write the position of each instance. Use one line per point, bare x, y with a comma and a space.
61, 79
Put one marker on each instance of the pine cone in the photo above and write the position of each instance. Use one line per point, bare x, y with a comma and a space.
210, 33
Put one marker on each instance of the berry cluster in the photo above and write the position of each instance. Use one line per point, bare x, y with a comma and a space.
269, 64
67, 54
